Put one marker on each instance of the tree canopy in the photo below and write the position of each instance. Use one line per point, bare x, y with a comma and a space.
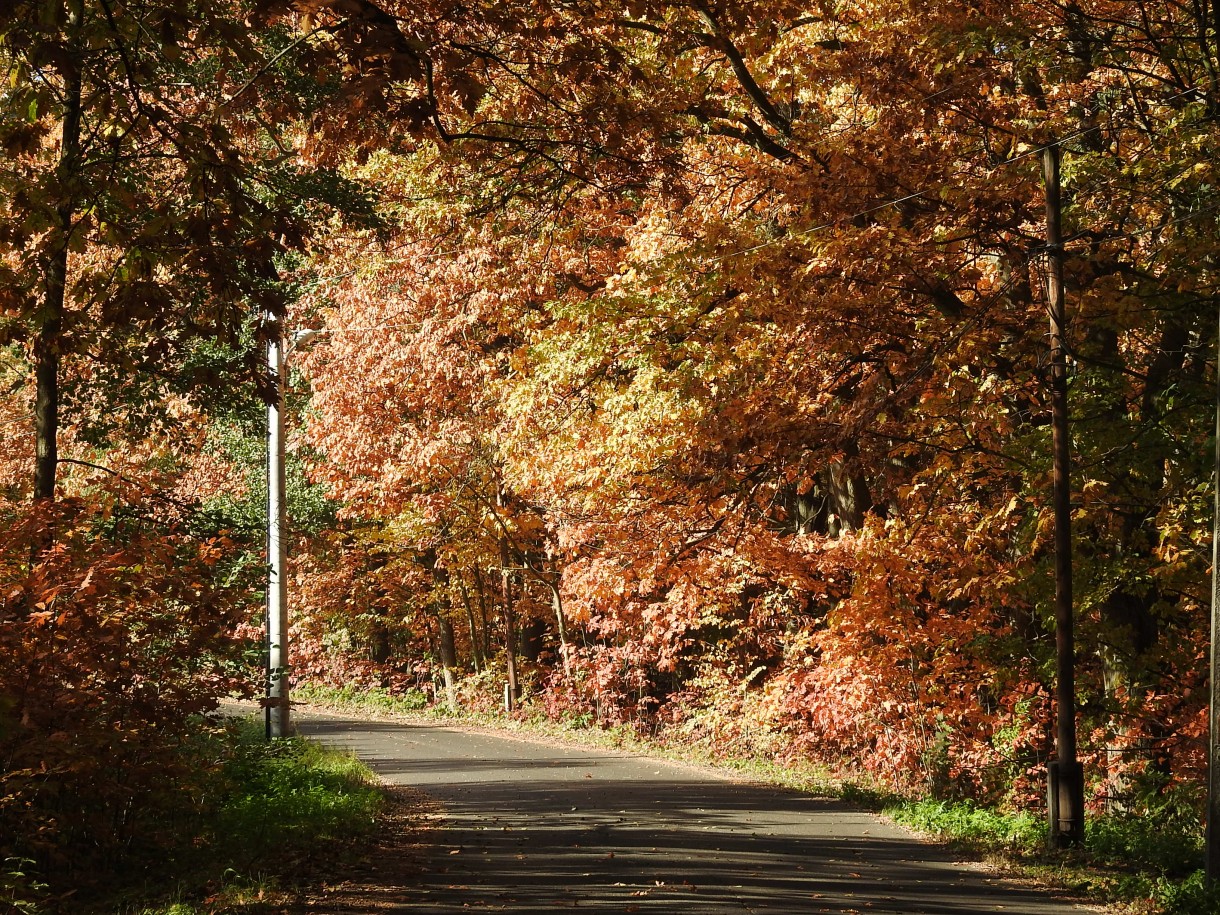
684, 363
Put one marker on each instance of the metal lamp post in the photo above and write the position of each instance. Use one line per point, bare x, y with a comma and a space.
278, 704
278, 701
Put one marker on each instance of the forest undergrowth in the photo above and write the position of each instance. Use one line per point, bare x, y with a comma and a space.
264, 813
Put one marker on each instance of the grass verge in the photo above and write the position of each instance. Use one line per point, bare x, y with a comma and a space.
372, 699
271, 810
1151, 862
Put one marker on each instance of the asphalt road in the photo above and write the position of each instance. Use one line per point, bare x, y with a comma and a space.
532, 828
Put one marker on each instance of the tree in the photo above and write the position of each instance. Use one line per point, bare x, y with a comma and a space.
768, 360
147, 198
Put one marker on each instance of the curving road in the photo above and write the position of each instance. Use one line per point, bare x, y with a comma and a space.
529, 828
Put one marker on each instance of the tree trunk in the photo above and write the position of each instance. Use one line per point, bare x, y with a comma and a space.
47, 342
448, 659
510, 639
476, 653
561, 626
848, 491
484, 628
510, 626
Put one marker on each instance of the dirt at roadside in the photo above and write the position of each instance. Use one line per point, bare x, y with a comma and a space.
380, 875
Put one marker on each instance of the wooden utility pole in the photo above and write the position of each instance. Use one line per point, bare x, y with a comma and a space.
1213, 736
1065, 790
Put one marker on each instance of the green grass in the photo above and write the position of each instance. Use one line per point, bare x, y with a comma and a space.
18, 887
373, 699
1151, 862
289, 795
269, 810
970, 826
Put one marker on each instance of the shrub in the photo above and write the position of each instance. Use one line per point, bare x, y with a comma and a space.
115, 637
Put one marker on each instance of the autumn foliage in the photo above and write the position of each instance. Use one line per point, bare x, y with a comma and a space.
734, 423
116, 639
682, 366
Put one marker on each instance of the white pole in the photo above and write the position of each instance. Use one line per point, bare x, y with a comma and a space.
279, 723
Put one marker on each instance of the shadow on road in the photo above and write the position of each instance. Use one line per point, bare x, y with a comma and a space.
530, 828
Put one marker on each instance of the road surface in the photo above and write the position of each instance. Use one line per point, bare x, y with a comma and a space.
534, 828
